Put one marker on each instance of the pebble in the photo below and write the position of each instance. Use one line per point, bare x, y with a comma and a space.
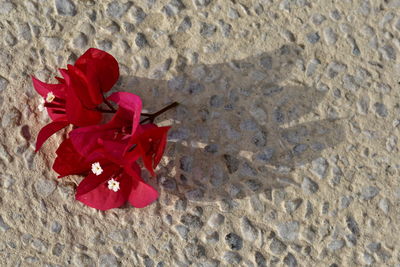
381, 109
260, 259
207, 30
369, 192
65, 7
249, 232
57, 249
53, 44
288, 231
234, 241
320, 167
173, 8
313, 37
121, 235
309, 186
45, 187
140, 40
108, 260
6, 7
182, 230
317, 19
83, 260
352, 225
191, 221
277, 247
3, 83
116, 9
56, 227
215, 220
290, 260
330, 36
384, 205
232, 258
3, 225
185, 25
336, 245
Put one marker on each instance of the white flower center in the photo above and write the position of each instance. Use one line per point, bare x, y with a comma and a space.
96, 168
113, 185
50, 97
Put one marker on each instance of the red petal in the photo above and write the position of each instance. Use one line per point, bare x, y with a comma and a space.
93, 190
100, 68
44, 88
48, 131
142, 194
77, 114
88, 93
131, 104
69, 161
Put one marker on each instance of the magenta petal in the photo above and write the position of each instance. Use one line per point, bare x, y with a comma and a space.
44, 88
48, 131
131, 104
93, 191
142, 195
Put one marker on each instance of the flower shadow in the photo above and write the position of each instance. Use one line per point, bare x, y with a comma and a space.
242, 127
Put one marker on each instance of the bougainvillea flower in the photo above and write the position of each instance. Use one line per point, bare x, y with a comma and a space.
100, 150
148, 143
75, 99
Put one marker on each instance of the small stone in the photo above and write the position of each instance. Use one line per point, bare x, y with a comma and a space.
105, 45
57, 249
65, 7
388, 52
138, 14
3, 225
369, 192
108, 260
54, 44
290, 260
336, 245
317, 19
277, 247
374, 247
312, 66
182, 230
44, 187
249, 232
232, 258
234, 241
215, 220
260, 259
292, 205
6, 7
191, 221
56, 227
320, 167
330, 36
233, 13
368, 258
384, 205
207, 29
140, 40
3, 83
381, 109
121, 235
289, 231
80, 41
232, 163
185, 25
195, 194
313, 37
186, 163
24, 31
173, 8
83, 260
39, 245
309, 186
116, 9
352, 225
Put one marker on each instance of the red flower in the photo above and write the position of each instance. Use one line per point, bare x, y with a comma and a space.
113, 179
75, 99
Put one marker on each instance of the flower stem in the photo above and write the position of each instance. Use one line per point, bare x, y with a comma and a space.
151, 117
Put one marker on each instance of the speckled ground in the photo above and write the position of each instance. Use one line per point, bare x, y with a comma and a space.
283, 152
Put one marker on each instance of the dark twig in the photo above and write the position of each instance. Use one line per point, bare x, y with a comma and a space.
151, 117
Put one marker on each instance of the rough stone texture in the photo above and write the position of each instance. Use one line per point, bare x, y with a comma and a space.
284, 150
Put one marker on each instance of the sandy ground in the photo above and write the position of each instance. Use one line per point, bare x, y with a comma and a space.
283, 152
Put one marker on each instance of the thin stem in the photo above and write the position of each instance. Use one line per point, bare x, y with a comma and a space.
105, 110
151, 117
109, 104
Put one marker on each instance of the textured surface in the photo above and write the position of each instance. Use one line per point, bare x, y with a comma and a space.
284, 151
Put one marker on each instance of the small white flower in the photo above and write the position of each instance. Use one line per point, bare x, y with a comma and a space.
113, 185
50, 97
96, 168
41, 104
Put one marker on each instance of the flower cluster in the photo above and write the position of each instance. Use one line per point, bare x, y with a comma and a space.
106, 153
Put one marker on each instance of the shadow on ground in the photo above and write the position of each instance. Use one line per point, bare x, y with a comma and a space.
238, 130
